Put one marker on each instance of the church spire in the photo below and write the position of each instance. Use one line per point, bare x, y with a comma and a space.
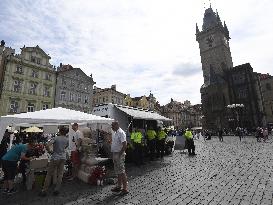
197, 29
226, 30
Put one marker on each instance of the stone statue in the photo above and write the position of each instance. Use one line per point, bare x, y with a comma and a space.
88, 152
3, 43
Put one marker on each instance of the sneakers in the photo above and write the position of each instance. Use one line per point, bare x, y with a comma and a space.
116, 189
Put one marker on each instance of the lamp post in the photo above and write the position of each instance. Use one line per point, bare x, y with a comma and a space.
236, 108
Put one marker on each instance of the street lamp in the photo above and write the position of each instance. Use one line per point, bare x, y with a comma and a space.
236, 108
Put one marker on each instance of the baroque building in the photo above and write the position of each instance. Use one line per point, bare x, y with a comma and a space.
183, 115
27, 80
224, 84
74, 89
108, 95
144, 102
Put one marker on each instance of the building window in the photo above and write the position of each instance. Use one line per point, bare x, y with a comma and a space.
63, 81
45, 106
17, 86
33, 87
79, 98
19, 69
48, 76
71, 97
38, 60
85, 99
34, 74
32, 59
62, 95
30, 107
14, 106
46, 92
268, 86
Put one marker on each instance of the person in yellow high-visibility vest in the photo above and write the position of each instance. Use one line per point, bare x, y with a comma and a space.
136, 138
189, 142
151, 141
160, 144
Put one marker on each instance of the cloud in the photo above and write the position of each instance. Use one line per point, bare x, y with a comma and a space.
140, 45
187, 69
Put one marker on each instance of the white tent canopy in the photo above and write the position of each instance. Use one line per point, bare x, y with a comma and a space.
142, 114
55, 116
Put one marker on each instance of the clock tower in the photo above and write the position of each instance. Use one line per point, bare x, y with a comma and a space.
214, 47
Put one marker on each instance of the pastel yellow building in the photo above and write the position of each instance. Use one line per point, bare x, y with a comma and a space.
141, 102
28, 80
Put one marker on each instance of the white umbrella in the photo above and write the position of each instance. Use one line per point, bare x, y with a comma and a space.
33, 129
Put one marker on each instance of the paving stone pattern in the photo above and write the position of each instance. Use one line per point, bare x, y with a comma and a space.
229, 172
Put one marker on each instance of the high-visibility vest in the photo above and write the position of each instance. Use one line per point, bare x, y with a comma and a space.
161, 135
136, 137
151, 134
133, 136
188, 135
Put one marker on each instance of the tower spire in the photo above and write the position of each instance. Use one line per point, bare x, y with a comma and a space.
197, 29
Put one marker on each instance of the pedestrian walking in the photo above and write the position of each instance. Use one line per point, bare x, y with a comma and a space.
220, 135
265, 134
56, 164
239, 132
118, 148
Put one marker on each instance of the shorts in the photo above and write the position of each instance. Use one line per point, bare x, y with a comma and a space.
9, 169
119, 163
75, 158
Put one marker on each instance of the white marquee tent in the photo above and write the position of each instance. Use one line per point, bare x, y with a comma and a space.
56, 116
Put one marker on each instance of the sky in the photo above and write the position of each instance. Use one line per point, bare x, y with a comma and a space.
139, 45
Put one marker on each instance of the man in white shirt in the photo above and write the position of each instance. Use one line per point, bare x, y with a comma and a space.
118, 148
75, 146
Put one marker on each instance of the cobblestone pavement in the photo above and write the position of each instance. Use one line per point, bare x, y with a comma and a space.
231, 172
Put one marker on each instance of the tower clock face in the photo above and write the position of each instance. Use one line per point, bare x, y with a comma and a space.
210, 40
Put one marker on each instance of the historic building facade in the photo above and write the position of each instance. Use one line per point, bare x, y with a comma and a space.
27, 80
183, 115
144, 102
74, 89
267, 93
108, 95
222, 82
